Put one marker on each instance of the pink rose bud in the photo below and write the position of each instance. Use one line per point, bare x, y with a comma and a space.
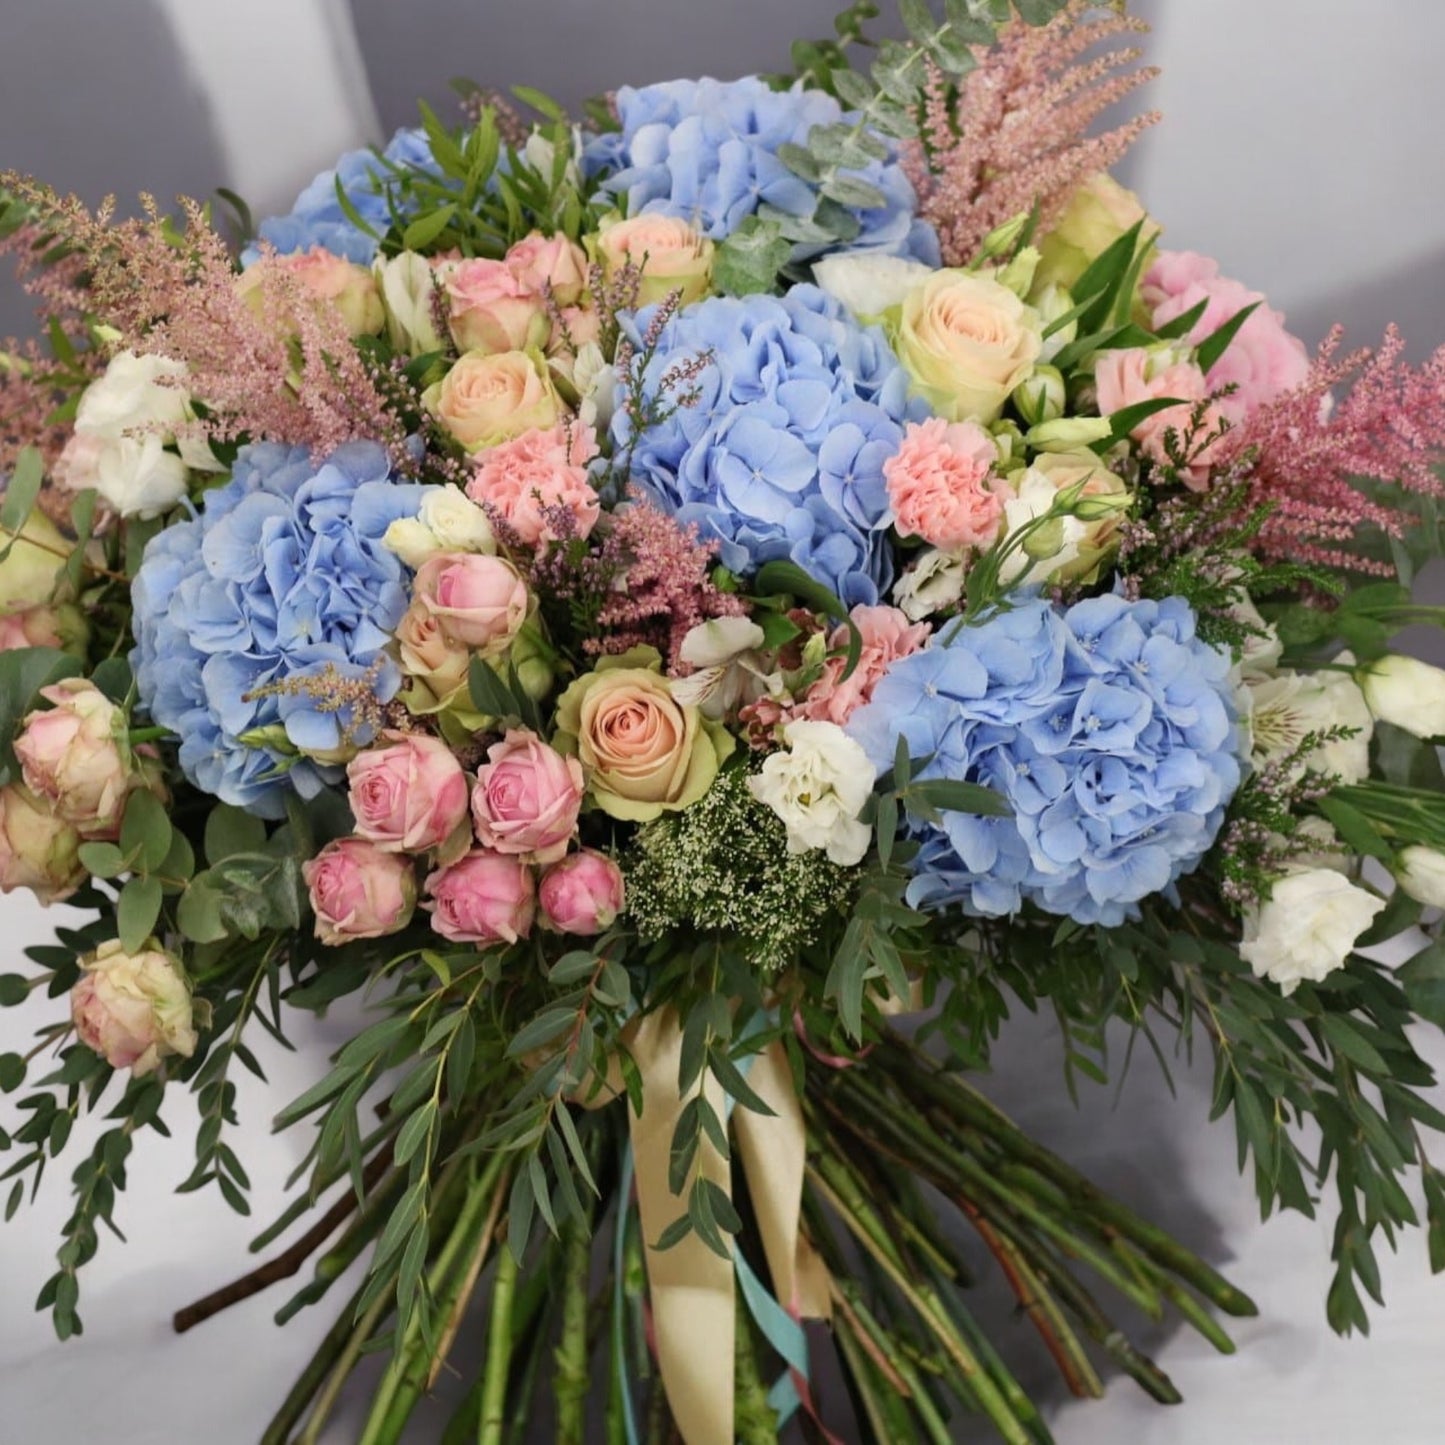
331, 279
490, 308
359, 891
550, 263
527, 798
38, 851
71, 756
409, 794
479, 601
482, 898
581, 894
35, 627
134, 1009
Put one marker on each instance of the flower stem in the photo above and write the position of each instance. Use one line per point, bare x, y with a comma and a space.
499, 1351
570, 1380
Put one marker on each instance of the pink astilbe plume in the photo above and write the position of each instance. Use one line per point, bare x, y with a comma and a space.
1306, 454
1014, 134
274, 364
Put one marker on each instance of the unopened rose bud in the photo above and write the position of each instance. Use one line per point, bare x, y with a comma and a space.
582, 894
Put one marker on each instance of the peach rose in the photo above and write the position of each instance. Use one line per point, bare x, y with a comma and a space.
1125, 378
941, 486
644, 752
966, 341
670, 254
529, 480
550, 263
487, 399
491, 309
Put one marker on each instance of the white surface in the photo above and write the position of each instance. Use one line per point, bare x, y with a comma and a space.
1301, 146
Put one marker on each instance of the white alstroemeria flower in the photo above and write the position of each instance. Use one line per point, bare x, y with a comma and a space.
818, 787
1284, 708
727, 653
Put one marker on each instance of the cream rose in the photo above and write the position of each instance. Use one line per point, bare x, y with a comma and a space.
644, 752
967, 342
1098, 213
670, 254
484, 400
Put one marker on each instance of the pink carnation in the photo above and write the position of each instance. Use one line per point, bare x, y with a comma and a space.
939, 484
1263, 361
1126, 378
523, 480
887, 636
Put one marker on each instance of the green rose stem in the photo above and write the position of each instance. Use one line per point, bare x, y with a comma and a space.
499, 1351
982, 1387
977, 1110
278, 1432
345, 1364
571, 1376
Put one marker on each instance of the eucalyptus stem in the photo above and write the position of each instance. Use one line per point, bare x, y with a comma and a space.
499, 1351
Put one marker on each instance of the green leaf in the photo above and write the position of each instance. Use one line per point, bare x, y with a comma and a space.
1123, 421
145, 831
425, 229
102, 860
21, 491
1217, 342
1182, 324
749, 260
12, 1072
787, 578
540, 101
548, 1025
956, 797
136, 912
14, 989
490, 694
1423, 979
856, 194
918, 20
801, 161
414, 1132
23, 672
82, 521
198, 914
231, 830
573, 968
852, 89
1104, 277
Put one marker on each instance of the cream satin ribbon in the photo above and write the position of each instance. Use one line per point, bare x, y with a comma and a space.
692, 1289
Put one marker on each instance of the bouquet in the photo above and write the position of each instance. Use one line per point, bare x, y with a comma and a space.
694, 614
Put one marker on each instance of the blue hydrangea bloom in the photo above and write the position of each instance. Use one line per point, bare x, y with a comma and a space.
1110, 728
316, 219
707, 151
782, 454
282, 573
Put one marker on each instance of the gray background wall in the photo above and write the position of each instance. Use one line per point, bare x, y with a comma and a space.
1301, 148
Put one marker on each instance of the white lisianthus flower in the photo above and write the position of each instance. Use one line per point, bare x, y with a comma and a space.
1408, 693
1307, 928
407, 284
1420, 871
1285, 708
447, 521
933, 582
868, 283
818, 787
126, 419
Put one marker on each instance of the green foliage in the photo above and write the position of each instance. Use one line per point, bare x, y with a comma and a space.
751, 258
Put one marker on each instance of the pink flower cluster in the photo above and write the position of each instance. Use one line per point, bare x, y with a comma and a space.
533, 479
484, 838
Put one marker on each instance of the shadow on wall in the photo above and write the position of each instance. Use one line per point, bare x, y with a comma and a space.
98, 99
573, 49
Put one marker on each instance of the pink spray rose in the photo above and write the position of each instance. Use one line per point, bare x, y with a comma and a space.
887, 635
527, 798
359, 891
71, 756
1125, 378
42, 626
941, 487
550, 263
479, 601
491, 308
484, 897
408, 795
581, 894
331, 279
1263, 361
534, 475
134, 1009
38, 851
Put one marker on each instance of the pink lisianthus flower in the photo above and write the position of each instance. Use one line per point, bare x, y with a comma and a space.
484, 897
1262, 361
525, 481
887, 636
1126, 378
527, 798
941, 486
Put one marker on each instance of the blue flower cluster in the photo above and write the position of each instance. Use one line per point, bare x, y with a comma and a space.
317, 219
707, 151
781, 456
282, 574
1109, 728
